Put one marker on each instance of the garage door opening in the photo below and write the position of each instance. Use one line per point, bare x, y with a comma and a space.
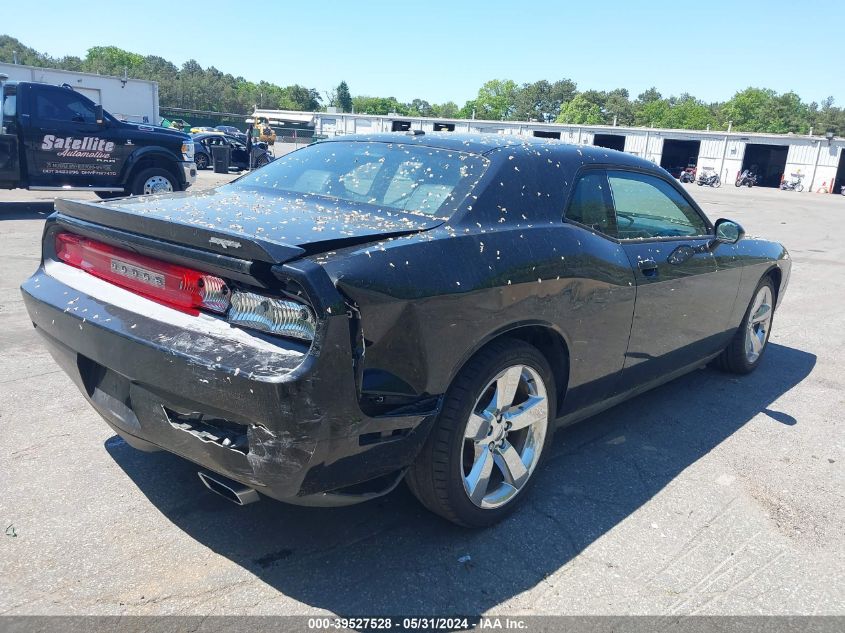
839, 183
678, 155
767, 161
610, 141
544, 134
400, 126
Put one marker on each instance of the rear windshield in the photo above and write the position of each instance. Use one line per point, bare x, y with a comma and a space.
391, 176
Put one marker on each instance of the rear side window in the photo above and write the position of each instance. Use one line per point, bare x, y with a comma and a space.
648, 207
591, 204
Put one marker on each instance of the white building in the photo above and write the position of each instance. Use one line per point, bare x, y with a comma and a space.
127, 99
820, 161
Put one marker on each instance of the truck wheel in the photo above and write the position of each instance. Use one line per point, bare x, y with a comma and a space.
154, 180
487, 440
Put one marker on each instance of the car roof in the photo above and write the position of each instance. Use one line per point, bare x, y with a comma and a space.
488, 143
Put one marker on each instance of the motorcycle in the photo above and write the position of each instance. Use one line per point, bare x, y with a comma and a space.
709, 177
688, 175
746, 178
793, 184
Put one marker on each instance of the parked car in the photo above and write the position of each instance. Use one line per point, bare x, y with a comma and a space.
367, 309
239, 158
202, 129
228, 129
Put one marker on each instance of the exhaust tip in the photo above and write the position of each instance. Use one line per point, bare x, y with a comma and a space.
230, 490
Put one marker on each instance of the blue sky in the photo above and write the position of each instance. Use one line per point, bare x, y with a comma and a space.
443, 51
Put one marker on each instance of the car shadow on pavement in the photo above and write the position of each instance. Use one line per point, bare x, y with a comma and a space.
392, 557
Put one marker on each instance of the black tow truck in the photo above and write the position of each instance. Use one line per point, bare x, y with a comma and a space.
56, 139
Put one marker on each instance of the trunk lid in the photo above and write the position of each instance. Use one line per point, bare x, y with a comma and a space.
248, 223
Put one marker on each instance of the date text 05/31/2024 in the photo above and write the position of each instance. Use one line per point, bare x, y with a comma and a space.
417, 623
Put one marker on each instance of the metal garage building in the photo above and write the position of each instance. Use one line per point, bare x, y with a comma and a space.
820, 161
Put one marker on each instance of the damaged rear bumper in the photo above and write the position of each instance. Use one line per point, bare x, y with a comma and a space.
269, 413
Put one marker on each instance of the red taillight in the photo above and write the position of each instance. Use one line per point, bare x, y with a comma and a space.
180, 287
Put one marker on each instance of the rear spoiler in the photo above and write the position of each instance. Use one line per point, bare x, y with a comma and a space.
196, 236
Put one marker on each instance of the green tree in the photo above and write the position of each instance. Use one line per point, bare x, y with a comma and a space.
26, 55
302, 98
111, 60
649, 96
684, 112
496, 99
618, 104
585, 108
468, 111
746, 109
541, 100
827, 118
343, 97
378, 105
448, 110
419, 107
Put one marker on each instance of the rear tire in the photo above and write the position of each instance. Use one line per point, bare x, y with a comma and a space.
489, 436
154, 180
749, 342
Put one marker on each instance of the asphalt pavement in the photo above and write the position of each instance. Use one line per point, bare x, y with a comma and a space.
713, 494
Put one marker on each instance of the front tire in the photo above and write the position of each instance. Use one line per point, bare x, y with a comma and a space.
201, 161
490, 435
154, 180
744, 352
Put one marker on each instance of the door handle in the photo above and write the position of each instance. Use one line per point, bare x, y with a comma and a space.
648, 267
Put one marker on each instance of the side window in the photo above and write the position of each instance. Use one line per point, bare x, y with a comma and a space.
647, 207
590, 204
63, 105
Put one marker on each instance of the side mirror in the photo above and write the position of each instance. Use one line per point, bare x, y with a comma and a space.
728, 232
98, 114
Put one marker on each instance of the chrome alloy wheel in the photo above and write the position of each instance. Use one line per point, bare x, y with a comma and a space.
759, 322
504, 436
157, 184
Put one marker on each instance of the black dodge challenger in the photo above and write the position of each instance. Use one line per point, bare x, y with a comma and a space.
420, 306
